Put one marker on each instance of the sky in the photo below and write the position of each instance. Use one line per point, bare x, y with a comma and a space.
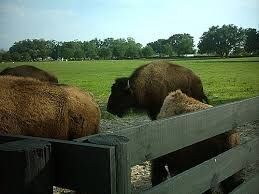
144, 20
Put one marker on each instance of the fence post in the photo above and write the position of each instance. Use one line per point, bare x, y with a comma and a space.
26, 167
123, 173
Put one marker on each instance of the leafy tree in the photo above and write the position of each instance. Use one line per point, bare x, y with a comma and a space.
221, 41
105, 53
252, 41
56, 50
182, 44
67, 50
119, 48
147, 51
6, 56
208, 40
79, 54
133, 49
166, 50
31, 49
26, 57
179, 44
157, 46
108, 42
90, 49
79, 51
16, 56
1, 54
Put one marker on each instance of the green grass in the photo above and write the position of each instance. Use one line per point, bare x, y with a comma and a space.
224, 80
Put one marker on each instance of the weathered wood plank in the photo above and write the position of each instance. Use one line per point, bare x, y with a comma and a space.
83, 167
123, 178
199, 178
26, 167
158, 138
249, 187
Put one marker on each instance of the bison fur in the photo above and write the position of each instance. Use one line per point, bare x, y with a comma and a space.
29, 71
34, 108
148, 86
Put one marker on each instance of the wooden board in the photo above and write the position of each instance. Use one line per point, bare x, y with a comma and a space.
26, 167
80, 166
123, 174
198, 179
161, 137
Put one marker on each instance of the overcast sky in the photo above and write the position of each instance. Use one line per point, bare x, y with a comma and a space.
144, 20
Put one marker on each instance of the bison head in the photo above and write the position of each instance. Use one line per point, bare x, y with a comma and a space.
121, 98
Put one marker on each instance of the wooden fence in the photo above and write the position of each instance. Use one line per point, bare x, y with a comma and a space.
101, 163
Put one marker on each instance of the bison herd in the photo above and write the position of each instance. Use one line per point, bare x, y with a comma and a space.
33, 103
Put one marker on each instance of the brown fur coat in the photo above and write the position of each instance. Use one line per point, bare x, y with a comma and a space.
35, 108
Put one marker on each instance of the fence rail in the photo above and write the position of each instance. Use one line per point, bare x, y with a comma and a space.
77, 166
222, 167
101, 163
164, 136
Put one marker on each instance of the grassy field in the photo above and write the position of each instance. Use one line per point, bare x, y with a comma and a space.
224, 80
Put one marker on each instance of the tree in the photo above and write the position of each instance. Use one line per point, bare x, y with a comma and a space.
221, 41
26, 57
157, 46
133, 49
56, 50
251, 41
147, 51
16, 56
179, 44
26, 50
6, 56
108, 42
90, 49
182, 44
119, 48
166, 50
67, 50
1, 54
105, 53
79, 53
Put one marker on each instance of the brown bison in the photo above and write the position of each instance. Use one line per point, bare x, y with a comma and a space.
34, 108
148, 86
177, 103
30, 71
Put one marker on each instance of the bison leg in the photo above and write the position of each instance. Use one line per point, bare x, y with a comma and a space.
153, 112
158, 171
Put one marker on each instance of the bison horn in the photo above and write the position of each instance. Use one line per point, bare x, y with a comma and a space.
128, 85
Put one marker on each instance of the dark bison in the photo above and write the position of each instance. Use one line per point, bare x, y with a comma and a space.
35, 108
30, 71
148, 86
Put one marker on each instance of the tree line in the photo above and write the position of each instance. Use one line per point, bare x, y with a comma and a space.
217, 41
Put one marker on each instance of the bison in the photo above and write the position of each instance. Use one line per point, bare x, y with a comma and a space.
34, 108
148, 86
177, 103
30, 71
